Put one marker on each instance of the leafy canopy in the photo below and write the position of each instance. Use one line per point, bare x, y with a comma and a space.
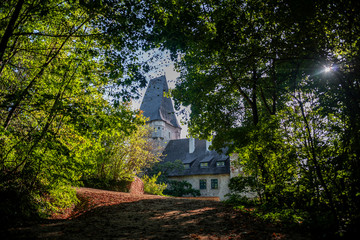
253, 74
65, 67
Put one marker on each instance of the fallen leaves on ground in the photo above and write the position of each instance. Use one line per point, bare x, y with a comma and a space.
115, 215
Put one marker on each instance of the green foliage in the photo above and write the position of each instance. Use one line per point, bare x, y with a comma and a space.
123, 155
252, 73
61, 198
240, 201
180, 188
283, 216
174, 188
288, 216
13, 192
151, 186
243, 184
59, 61
165, 169
107, 184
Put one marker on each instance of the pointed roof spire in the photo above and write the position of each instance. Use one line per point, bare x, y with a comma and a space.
155, 105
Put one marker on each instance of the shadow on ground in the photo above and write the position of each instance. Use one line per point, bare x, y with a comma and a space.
165, 218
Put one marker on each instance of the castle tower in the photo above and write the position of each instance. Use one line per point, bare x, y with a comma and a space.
160, 110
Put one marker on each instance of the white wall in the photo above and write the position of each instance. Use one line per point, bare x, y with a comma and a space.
164, 131
223, 182
236, 170
158, 129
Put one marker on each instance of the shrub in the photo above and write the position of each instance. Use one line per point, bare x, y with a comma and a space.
108, 184
180, 188
238, 200
151, 186
242, 184
19, 203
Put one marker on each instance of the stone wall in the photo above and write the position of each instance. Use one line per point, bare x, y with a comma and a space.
137, 186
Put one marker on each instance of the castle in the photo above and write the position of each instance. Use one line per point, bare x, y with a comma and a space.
159, 109
206, 170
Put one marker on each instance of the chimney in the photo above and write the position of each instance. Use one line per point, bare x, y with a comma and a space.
208, 144
191, 145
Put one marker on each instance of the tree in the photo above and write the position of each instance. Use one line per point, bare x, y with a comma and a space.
59, 61
124, 156
250, 72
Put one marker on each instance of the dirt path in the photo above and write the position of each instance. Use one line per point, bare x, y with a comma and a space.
114, 215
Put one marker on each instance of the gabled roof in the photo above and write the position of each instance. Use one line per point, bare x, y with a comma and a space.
189, 159
207, 158
178, 149
155, 105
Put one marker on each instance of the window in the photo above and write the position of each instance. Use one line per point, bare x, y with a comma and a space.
214, 184
202, 183
169, 135
220, 164
187, 166
204, 165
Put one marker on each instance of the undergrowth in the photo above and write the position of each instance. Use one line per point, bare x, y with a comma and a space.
318, 223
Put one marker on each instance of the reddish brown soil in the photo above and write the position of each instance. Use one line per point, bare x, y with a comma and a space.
114, 215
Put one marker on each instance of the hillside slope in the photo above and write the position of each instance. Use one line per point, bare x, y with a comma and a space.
115, 215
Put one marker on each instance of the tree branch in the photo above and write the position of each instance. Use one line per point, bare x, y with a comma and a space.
10, 29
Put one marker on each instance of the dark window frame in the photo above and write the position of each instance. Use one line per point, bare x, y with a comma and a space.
214, 184
202, 184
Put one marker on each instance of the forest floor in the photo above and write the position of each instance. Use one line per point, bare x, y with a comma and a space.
115, 215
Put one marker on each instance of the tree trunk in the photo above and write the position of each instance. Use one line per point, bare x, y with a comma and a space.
10, 29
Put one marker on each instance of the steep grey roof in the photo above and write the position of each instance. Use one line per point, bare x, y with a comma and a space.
155, 105
179, 149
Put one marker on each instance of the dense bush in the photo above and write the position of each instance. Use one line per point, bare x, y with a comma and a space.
180, 188
174, 188
108, 184
152, 186
60, 61
19, 203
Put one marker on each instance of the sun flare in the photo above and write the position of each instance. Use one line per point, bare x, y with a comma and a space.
327, 69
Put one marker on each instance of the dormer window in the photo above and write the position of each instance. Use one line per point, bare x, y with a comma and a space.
204, 164
220, 164
188, 161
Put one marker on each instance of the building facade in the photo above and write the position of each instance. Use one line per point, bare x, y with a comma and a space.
160, 111
206, 170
